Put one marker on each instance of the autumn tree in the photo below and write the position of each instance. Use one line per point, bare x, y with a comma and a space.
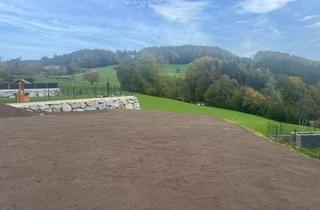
252, 100
92, 77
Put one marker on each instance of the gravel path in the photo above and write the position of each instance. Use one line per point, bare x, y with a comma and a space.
148, 160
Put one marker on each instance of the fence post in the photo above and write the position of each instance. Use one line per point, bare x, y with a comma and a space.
47, 89
108, 88
294, 138
277, 132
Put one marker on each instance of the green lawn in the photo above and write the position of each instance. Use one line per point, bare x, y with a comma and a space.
105, 73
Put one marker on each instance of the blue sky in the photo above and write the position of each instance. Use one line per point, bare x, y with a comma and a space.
31, 29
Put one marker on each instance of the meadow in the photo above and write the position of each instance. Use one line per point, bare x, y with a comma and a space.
106, 74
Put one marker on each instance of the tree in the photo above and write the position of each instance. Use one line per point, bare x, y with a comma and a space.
127, 73
140, 74
73, 68
223, 93
200, 75
4, 75
91, 77
252, 100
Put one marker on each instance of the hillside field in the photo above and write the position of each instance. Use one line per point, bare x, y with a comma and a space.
105, 73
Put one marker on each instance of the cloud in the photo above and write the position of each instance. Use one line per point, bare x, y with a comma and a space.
180, 10
316, 25
261, 6
309, 17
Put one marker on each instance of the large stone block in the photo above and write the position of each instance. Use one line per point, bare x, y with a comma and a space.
102, 106
92, 103
90, 108
115, 103
76, 105
66, 107
129, 106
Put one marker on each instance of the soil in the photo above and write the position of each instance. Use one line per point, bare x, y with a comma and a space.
148, 160
9, 111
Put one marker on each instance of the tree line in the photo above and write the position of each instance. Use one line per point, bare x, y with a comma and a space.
231, 83
72, 63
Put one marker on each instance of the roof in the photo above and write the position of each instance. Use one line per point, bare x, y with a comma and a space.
21, 81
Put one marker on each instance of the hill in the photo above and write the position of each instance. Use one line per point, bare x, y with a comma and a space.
286, 64
187, 53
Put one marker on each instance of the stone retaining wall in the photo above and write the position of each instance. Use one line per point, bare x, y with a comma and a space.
80, 105
32, 92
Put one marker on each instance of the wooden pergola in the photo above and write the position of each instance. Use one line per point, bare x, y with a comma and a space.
21, 96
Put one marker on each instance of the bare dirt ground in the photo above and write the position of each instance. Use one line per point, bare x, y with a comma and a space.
8, 111
148, 160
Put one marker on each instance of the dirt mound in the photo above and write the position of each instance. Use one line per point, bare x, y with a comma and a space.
9, 111
148, 160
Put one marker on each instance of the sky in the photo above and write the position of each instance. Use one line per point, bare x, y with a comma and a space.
31, 29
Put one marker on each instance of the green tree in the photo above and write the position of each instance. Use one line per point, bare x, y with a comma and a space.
223, 93
73, 68
4, 75
200, 75
139, 74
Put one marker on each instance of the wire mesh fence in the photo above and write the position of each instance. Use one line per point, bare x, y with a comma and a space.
303, 138
94, 91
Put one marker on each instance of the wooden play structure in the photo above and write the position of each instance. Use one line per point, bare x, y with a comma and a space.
21, 96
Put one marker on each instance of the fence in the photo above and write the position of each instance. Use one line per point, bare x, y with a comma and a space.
302, 138
95, 91
8, 86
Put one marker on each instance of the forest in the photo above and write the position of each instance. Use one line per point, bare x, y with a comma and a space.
271, 84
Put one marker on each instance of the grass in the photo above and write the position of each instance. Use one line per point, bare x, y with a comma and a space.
105, 73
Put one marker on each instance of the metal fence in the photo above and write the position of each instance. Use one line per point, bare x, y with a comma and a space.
8, 86
93, 91
303, 138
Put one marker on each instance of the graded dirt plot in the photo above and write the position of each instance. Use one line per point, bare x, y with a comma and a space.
8, 111
148, 160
